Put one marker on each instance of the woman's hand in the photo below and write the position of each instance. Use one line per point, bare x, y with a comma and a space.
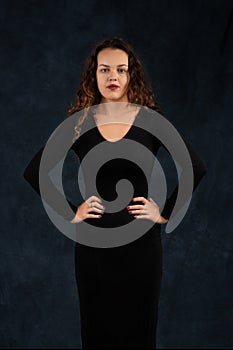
92, 204
148, 210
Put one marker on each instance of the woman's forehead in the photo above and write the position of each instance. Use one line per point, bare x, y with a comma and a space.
111, 56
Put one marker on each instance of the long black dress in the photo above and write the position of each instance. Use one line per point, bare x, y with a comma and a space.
119, 287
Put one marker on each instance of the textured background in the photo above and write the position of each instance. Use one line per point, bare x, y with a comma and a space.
187, 50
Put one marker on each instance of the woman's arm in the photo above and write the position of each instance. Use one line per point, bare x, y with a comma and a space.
199, 170
55, 198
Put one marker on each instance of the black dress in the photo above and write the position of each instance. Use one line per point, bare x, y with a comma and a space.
119, 287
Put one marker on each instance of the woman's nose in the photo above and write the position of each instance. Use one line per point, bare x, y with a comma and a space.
112, 75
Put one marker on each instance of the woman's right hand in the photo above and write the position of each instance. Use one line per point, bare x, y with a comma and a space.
92, 204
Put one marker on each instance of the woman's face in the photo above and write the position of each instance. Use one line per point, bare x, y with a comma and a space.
112, 75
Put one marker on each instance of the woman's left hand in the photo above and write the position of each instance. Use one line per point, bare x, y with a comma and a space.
148, 210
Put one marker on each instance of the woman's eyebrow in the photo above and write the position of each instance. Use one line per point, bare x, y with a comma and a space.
106, 65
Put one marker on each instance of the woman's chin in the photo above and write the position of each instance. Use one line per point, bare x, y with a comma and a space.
107, 99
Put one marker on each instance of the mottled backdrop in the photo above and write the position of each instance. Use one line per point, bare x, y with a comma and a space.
187, 50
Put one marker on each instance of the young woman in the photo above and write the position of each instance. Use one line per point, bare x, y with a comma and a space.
118, 287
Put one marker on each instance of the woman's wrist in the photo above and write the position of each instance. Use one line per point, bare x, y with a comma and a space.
161, 220
76, 218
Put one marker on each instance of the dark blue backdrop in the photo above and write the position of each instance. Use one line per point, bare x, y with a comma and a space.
187, 49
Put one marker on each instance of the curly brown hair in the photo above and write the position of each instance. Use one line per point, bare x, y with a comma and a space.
88, 94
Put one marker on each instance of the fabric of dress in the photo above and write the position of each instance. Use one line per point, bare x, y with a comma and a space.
119, 287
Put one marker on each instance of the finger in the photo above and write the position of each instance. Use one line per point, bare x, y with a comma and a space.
96, 205
89, 200
92, 200
137, 211
143, 216
93, 206
93, 216
95, 199
96, 210
141, 199
136, 206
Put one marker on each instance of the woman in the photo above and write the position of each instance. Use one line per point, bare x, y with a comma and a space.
118, 287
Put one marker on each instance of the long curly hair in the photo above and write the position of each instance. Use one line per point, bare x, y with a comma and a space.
88, 94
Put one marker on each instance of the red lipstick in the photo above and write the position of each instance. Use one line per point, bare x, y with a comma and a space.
113, 87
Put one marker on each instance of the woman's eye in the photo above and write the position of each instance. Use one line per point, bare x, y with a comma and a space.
121, 70
104, 70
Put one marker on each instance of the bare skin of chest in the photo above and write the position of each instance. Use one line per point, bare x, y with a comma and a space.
114, 131
113, 128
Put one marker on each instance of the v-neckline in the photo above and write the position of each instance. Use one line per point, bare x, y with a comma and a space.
125, 135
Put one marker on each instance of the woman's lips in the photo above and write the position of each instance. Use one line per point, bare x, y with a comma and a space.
112, 87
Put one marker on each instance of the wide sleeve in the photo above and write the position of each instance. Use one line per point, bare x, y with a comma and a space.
199, 170
55, 199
